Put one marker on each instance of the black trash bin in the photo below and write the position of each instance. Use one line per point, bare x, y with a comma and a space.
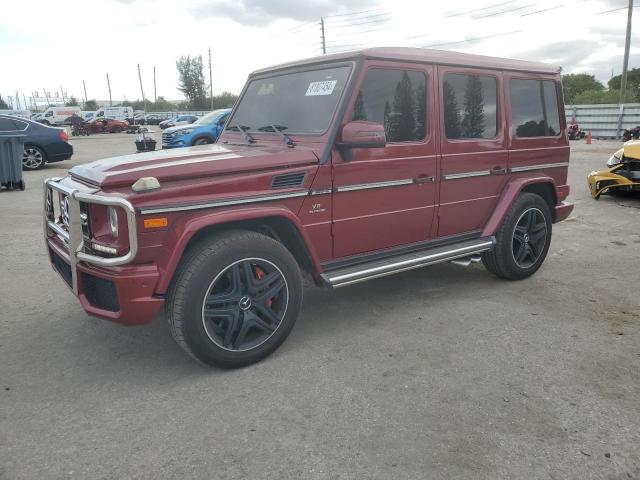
11, 151
145, 142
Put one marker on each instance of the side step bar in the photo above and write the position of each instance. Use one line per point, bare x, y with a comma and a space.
388, 266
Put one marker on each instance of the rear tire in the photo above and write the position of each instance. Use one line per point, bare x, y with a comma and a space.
221, 306
33, 158
523, 240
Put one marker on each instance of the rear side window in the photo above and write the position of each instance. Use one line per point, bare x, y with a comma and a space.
396, 99
534, 108
469, 106
11, 125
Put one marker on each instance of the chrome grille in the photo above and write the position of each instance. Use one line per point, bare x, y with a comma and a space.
167, 138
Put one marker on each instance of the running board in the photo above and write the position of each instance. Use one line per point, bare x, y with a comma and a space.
409, 261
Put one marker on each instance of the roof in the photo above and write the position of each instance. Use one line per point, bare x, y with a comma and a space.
422, 55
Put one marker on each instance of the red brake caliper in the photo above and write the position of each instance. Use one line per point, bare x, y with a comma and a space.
260, 274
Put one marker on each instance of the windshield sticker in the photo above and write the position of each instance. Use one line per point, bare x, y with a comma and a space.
321, 88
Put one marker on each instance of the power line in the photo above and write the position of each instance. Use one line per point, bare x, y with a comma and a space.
382, 20
543, 10
613, 10
471, 39
363, 32
480, 9
504, 11
352, 13
345, 22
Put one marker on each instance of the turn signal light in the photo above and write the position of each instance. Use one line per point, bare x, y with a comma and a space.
155, 222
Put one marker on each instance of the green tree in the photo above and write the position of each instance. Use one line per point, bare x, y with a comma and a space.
603, 96
473, 121
633, 80
421, 111
91, 105
403, 120
451, 114
191, 81
3, 104
223, 100
575, 84
72, 102
161, 105
387, 120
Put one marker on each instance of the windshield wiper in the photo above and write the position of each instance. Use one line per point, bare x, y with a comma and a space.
278, 129
243, 128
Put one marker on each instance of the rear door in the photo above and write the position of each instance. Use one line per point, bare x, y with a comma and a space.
538, 140
474, 148
385, 197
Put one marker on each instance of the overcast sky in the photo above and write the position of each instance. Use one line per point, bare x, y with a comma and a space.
46, 44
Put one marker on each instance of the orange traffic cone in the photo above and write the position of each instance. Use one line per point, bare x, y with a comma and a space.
589, 137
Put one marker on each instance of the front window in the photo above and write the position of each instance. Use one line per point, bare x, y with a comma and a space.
298, 103
210, 118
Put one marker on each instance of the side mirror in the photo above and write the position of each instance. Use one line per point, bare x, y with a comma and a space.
362, 134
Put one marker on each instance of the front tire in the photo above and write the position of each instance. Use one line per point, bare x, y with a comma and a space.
523, 240
234, 299
202, 141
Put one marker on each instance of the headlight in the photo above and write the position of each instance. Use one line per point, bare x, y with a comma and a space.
113, 221
615, 159
188, 131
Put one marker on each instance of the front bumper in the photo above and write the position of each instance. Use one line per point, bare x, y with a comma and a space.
107, 287
124, 295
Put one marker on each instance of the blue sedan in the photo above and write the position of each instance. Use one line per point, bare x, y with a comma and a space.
42, 144
205, 130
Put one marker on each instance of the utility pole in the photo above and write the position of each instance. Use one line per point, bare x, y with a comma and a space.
210, 80
109, 87
324, 44
17, 101
155, 97
46, 95
625, 65
25, 101
84, 85
62, 95
144, 102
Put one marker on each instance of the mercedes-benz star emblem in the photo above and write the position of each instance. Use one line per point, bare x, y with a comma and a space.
244, 303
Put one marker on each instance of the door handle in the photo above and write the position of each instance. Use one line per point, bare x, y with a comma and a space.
422, 179
498, 170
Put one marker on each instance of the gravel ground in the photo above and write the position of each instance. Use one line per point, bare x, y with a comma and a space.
443, 372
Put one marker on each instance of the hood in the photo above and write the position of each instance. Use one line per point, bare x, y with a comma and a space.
191, 162
177, 128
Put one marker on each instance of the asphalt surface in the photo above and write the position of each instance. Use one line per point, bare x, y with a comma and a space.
440, 373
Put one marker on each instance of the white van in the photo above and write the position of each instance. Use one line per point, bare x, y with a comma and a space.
116, 113
58, 115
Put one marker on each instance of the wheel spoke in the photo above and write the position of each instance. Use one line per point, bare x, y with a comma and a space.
521, 253
220, 312
273, 290
232, 326
267, 312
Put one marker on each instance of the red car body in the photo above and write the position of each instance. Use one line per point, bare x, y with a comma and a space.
112, 126
435, 190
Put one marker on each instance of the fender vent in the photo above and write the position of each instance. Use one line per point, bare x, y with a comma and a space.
288, 180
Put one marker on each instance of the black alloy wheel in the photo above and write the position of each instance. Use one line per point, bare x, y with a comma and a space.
245, 304
529, 238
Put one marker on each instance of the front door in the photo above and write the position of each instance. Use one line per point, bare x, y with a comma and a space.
385, 197
474, 148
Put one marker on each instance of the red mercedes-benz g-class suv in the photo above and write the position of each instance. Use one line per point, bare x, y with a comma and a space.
347, 167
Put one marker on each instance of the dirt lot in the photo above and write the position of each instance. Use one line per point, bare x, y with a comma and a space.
437, 373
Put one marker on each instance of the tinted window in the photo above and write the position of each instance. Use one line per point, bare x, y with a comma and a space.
534, 108
396, 99
469, 106
301, 102
9, 125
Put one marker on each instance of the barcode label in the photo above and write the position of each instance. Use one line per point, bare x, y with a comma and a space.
321, 88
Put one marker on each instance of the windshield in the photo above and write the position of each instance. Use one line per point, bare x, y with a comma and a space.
210, 118
301, 102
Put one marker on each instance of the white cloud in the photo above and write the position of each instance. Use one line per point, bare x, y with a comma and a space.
53, 46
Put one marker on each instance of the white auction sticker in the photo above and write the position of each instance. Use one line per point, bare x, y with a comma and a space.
321, 88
